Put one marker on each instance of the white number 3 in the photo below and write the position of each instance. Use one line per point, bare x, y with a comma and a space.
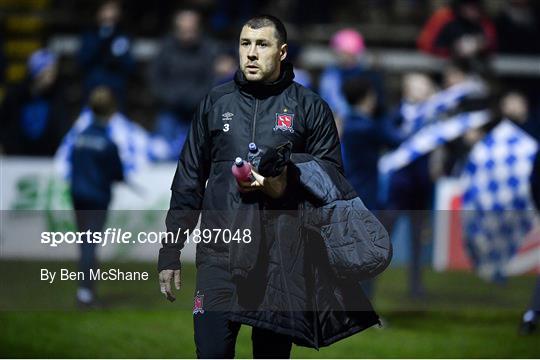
225, 127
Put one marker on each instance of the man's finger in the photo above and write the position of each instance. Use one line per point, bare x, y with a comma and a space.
163, 282
165, 277
248, 184
246, 187
258, 177
177, 282
166, 287
168, 292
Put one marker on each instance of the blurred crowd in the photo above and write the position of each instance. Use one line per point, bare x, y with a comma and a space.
190, 61
466, 96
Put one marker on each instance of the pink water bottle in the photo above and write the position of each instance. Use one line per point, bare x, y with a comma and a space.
241, 170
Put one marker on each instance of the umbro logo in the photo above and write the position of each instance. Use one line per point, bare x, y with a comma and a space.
227, 116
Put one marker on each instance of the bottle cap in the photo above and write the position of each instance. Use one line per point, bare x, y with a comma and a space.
239, 162
252, 147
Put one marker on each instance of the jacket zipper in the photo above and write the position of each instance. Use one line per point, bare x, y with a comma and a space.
254, 120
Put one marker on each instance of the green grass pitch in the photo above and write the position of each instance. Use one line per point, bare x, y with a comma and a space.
462, 316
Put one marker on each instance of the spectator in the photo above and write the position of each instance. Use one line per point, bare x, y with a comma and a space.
410, 188
518, 28
226, 66
443, 119
529, 322
461, 30
349, 47
497, 208
95, 165
181, 75
301, 75
32, 113
514, 106
417, 88
364, 134
449, 159
105, 54
138, 148
427, 121
461, 77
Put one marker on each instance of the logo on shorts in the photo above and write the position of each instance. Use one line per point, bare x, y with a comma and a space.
284, 122
198, 304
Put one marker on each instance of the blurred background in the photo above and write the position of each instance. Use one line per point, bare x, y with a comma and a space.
425, 94
391, 30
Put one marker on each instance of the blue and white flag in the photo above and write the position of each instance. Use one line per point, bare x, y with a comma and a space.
431, 137
497, 204
417, 115
136, 146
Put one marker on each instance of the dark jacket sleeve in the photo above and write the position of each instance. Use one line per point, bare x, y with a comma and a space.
535, 181
323, 140
187, 190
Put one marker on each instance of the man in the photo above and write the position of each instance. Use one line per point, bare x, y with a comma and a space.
349, 48
461, 30
33, 112
262, 105
105, 53
529, 321
181, 75
96, 166
364, 134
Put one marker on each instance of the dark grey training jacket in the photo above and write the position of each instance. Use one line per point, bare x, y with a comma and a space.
302, 278
227, 120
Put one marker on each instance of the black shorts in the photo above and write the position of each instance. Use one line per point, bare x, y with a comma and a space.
215, 334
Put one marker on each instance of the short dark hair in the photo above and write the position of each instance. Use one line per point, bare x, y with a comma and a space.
261, 21
357, 89
102, 102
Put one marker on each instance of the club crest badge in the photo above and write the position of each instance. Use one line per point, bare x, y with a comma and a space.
198, 304
284, 122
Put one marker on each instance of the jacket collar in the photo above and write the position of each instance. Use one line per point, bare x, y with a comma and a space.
266, 89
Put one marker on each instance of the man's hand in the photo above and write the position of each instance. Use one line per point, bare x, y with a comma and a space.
271, 186
165, 278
